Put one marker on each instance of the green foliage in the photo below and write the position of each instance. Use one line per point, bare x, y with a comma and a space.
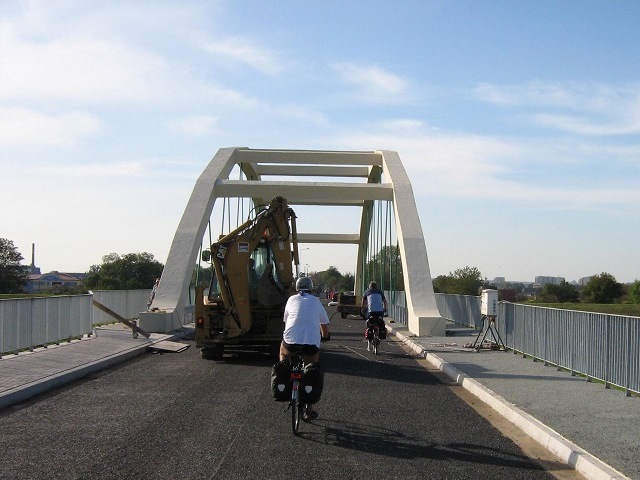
463, 281
385, 268
132, 271
201, 276
602, 288
565, 292
13, 276
443, 284
332, 279
634, 292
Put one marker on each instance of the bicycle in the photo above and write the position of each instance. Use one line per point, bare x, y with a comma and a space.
373, 341
295, 405
300, 409
373, 338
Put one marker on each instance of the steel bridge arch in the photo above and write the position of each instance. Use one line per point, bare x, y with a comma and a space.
423, 317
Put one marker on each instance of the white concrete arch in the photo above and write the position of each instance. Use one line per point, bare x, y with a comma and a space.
368, 166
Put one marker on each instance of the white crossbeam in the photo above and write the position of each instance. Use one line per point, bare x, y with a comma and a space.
304, 191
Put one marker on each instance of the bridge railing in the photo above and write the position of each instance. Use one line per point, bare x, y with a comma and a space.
462, 309
599, 346
27, 323
127, 303
596, 345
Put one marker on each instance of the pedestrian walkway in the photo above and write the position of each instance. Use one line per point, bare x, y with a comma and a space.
592, 428
28, 374
575, 419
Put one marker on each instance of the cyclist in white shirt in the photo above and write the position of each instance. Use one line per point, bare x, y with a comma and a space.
306, 324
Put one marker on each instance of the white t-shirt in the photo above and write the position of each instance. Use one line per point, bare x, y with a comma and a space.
303, 316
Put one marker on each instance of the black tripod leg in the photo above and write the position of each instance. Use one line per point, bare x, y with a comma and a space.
475, 344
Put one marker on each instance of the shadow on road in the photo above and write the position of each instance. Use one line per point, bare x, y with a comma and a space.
393, 443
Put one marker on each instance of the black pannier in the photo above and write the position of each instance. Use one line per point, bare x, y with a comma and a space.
281, 382
311, 383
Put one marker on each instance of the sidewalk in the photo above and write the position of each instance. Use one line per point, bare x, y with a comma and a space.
28, 374
586, 419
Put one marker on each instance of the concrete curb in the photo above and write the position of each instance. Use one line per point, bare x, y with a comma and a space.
570, 453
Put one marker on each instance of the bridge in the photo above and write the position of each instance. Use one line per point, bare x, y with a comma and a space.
371, 181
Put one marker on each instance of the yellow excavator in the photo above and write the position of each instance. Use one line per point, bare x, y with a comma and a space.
254, 271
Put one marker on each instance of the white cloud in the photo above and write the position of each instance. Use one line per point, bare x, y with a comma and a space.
95, 56
583, 125
583, 109
25, 127
375, 84
241, 50
122, 169
197, 125
532, 93
89, 70
479, 167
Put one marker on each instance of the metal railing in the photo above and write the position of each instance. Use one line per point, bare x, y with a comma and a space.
127, 303
599, 346
27, 323
462, 309
596, 345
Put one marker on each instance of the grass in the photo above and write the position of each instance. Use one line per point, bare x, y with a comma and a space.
625, 309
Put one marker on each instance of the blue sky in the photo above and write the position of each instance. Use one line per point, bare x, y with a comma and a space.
517, 121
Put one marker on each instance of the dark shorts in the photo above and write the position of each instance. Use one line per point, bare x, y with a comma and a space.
303, 349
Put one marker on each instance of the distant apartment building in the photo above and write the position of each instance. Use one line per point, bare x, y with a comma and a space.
542, 280
584, 280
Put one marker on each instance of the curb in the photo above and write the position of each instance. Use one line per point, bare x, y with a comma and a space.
570, 453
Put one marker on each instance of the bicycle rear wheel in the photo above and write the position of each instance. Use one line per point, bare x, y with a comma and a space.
296, 410
376, 342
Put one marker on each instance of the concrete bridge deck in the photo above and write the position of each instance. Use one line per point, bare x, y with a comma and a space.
590, 421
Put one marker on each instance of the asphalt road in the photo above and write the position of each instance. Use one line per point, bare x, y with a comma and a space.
180, 417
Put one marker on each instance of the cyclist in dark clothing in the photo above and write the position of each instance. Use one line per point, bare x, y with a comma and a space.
375, 303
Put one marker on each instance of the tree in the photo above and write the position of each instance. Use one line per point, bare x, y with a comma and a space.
602, 288
634, 292
13, 276
562, 293
202, 275
385, 268
128, 272
333, 280
443, 284
463, 281
467, 281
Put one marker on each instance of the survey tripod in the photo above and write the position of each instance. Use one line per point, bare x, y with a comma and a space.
489, 326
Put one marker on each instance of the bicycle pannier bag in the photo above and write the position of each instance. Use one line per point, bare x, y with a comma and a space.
311, 383
281, 382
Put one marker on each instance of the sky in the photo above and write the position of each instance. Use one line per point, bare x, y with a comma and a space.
518, 122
